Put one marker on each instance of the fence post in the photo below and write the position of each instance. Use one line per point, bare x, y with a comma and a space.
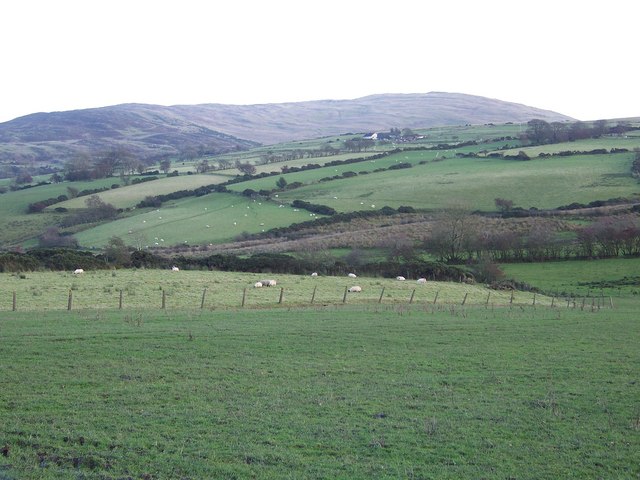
553, 299
465, 298
412, 294
611, 302
511, 299
120, 301
486, 304
381, 294
281, 294
313, 295
534, 299
436, 297
15, 305
164, 299
70, 301
204, 292
244, 295
344, 298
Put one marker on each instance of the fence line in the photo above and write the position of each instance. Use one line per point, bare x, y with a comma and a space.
593, 302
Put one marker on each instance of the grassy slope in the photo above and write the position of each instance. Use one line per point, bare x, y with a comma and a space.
211, 218
143, 289
543, 183
617, 276
323, 393
130, 195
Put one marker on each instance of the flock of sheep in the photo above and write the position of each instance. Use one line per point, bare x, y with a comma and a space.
353, 289
272, 283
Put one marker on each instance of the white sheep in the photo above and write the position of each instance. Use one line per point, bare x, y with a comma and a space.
175, 269
400, 278
257, 285
352, 275
422, 280
268, 283
314, 274
355, 289
78, 271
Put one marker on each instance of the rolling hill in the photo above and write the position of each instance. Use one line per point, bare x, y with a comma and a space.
153, 131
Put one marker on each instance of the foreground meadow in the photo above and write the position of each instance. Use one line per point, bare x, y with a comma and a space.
349, 392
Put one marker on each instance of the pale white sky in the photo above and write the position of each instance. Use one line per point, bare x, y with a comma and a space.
577, 58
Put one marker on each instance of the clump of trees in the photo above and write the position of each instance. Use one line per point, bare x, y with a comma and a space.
97, 210
458, 237
542, 132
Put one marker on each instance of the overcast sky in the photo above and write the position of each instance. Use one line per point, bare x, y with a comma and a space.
576, 58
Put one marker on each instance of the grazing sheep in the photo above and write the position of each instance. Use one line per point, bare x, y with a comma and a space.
352, 275
175, 269
78, 271
268, 283
422, 280
355, 289
257, 285
314, 274
400, 278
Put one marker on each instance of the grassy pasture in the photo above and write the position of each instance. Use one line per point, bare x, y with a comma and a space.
629, 142
351, 393
618, 277
18, 225
142, 289
309, 176
202, 220
130, 195
542, 183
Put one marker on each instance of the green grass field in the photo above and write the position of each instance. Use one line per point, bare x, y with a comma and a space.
543, 183
143, 289
130, 195
628, 142
617, 277
352, 393
202, 220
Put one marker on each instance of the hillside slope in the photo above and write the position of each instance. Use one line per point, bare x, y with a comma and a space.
283, 122
152, 131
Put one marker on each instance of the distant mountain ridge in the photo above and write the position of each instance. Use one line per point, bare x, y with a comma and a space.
154, 131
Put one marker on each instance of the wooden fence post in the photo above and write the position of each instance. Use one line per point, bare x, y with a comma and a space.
120, 301
244, 295
281, 295
464, 300
381, 294
553, 299
486, 304
511, 299
204, 292
436, 297
611, 302
70, 301
313, 295
15, 304
412, 294
344, 298
534, 299
164, 299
